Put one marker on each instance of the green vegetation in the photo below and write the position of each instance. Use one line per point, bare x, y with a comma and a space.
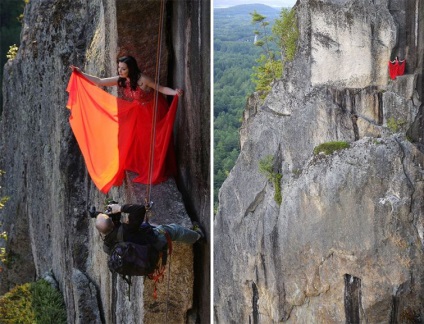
330, 147
3, 235
15, 306
30, 303
235, 55
266, 167
13, 50
287, 33
3, 253
47, 303
270, 65
277, 47
10, 30
395, 125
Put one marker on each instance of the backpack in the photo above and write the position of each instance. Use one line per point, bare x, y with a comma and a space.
131, 259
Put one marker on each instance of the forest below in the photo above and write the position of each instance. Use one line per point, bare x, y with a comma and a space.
235, 56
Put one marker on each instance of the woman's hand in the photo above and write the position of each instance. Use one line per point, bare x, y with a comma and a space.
75, 68
179, 92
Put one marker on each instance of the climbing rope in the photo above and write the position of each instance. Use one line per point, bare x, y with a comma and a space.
154, 115
148, 202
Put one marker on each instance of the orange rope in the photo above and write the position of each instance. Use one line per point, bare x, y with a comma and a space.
157, 76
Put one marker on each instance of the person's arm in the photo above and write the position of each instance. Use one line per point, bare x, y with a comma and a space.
136, 215
104, 82
110, 240
165, 90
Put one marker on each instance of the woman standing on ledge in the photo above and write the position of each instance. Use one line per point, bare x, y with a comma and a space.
128, 122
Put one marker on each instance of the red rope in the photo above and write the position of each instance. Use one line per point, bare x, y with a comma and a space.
158, 275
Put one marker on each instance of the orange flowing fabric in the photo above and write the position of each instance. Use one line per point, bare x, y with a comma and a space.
114, 134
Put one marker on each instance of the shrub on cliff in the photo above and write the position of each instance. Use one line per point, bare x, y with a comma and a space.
266, 167
36, 302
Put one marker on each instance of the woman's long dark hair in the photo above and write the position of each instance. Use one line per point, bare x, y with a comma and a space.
133, 72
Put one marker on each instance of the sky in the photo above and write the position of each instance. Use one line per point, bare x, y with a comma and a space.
271, 3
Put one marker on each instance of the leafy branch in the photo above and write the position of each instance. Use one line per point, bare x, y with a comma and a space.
283, 38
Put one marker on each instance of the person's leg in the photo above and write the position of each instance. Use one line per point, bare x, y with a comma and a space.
179, 233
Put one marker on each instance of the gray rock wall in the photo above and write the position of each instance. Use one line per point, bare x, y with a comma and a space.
191, 32
46, 178
346, 243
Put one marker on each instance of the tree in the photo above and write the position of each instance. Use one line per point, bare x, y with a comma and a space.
286, 32
283, 39
269, 68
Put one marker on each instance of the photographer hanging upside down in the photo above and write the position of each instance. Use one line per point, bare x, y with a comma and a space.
135, 231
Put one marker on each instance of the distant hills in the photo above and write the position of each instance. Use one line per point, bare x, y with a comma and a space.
235, 23
243, 10
272, 3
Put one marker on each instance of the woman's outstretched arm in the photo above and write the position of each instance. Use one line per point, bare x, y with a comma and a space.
165, 90
105, 82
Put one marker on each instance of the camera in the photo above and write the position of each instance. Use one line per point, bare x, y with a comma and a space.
92, 211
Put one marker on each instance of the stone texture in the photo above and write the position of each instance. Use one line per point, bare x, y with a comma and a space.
191, 70
46, 178
349, 43
87, 310
346, 243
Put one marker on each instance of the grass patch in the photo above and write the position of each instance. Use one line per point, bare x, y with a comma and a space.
266, 167
36, 302
330, 147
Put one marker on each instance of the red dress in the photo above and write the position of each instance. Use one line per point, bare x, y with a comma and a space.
396, 68
114, 134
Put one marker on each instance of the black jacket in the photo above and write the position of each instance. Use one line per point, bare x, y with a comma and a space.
131, 231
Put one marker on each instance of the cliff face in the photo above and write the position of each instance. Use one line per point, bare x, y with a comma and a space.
46, 178
346, 243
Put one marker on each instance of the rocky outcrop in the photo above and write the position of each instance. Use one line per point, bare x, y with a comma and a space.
346, 244
46, 178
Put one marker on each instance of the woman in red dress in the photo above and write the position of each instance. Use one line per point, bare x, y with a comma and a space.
133, 113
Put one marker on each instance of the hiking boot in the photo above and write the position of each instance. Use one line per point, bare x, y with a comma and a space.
198, 230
